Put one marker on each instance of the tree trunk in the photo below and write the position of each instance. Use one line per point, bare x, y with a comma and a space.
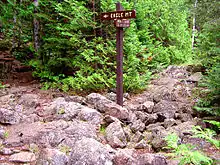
194, 24
14, 27
36, 28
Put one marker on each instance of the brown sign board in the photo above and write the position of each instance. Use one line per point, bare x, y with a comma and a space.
118, 15
122, 23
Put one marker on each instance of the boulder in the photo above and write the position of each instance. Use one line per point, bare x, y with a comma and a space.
61, 108
51, 138
196, 77
9, 116
143, 145
95, 98
6, 151
77, 99
130, 157
29, 100
90, 115
138, 136
89, 151
115, 135
52, 157
165, 110
2, 132
106, 106
150, 119
170, 122
114, 110
160, 93
148, 106
22, 157
182, 128
137, 125
79, 129
149, 159
6, 99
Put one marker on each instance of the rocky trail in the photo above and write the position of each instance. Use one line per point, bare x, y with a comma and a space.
50, 128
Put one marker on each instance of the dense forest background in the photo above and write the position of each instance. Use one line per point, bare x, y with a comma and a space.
69, 47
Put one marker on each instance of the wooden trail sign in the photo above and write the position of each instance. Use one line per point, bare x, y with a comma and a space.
118, 15
120, 18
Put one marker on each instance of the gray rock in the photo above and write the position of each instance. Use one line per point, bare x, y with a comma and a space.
182, 128
65, 110
6, 99
130, 157
150, 159
137, 126
184, 117
150, 119
128, 133
146, 118
109, 119
79, 129
148, 136
165, 110
113, 97
29, 100
6, 151
137, 137
150, 127
51, 138
114, 110
106, 106
162, 93
9, 116
90, 115
143, 145
89, 151
170, 122
141, 115
148, 106
30, 118
2, 133
52, 157
195, 77
132, 117
173, 162
124, 157
95, 98
157, 134
115, 135
77, 99
22, 157
158, 143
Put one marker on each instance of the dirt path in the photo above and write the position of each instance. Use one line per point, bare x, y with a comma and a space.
50, 127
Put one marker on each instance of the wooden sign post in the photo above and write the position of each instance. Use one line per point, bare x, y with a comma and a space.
121, 21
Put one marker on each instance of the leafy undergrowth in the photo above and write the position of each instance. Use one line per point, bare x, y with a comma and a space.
185, 153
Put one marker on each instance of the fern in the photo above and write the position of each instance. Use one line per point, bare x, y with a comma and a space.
206, 134
185, 152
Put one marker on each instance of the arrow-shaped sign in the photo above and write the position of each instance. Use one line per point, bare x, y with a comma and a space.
106, 16
118, 15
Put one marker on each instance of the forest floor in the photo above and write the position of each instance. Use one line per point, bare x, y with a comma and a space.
52, 127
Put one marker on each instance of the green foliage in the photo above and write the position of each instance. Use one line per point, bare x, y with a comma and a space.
210, 103
185, 152
102, 129
77, 50
213, 122
208, 53
5, 45
206, 134
1, 85
65, 149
